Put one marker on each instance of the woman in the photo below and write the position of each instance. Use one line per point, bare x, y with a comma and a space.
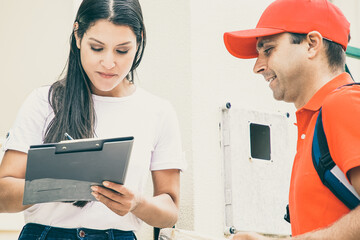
97, 97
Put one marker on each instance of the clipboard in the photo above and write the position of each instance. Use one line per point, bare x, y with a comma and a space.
65, 171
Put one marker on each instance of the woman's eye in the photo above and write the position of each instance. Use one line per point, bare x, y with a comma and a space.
96, 49
122, 52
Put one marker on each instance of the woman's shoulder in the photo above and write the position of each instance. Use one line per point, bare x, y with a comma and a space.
37, 101
40, 94
151, 99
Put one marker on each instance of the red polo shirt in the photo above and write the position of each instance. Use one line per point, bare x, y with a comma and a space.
313, 205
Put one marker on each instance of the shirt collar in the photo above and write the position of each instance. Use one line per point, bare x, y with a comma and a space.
316, 101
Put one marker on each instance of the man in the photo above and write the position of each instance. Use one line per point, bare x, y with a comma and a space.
300, 49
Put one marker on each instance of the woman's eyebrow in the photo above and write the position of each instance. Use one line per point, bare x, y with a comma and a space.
121, 44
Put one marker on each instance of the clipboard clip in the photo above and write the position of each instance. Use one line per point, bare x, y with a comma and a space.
79, 146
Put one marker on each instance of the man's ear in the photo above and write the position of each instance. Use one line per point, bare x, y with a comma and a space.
314, 40
78, 40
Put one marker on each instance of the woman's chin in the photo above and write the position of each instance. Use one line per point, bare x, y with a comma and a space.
102, 90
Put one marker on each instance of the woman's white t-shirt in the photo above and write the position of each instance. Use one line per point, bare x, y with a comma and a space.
149, 119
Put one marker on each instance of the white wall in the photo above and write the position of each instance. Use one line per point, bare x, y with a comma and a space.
218, 77
34, 43
351, 9
185, 61
34, 48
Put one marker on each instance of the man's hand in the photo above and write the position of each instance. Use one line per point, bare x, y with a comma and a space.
116, 197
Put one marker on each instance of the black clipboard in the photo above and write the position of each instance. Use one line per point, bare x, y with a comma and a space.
65, 171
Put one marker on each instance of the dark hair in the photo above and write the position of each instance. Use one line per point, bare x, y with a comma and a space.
70, 97
335, 53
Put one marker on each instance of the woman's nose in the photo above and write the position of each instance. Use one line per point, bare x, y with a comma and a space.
108, 61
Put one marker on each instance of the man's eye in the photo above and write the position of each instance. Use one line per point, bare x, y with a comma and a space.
268, 50
96, 49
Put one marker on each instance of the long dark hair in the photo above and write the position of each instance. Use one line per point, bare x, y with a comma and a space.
70, 97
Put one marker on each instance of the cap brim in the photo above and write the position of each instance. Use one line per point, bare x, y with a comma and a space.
242, 44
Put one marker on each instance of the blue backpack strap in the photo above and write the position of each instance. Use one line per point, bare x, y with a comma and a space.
330, 174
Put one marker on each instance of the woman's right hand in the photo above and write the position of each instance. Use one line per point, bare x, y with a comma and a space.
12, 181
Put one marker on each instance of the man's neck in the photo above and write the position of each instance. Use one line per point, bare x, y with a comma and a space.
316, 80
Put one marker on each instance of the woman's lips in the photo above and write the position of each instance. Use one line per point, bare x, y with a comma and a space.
106, 75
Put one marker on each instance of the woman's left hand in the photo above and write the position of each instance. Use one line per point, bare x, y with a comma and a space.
116, 197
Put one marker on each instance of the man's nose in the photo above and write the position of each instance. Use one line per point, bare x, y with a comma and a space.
260, 65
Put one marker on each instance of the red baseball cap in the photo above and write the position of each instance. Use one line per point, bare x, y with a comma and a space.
295, 16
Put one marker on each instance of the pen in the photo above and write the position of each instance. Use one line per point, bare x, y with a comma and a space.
68, 136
